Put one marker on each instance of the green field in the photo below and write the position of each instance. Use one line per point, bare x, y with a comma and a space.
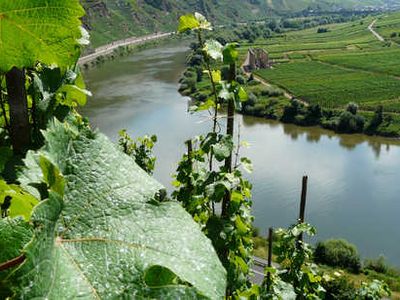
389, 24
332, 86
345, 64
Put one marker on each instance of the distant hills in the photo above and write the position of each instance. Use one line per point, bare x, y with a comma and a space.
110, 20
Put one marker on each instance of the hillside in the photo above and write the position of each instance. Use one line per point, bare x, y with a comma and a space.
110, 20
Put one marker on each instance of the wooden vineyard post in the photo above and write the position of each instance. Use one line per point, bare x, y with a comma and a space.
303, 204
270, 241
20, 131
189, 151
189, 155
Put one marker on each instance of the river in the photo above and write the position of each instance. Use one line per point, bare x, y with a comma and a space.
354, 180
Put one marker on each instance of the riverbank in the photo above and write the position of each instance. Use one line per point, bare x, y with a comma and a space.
269, 101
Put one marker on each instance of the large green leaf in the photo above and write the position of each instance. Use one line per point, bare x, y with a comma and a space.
188, 22
14, 235
39, 30
108, 237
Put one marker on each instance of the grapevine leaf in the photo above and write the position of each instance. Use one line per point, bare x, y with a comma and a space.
206, 105
223, 149
225, 92
230, 53
15, 201
213, 49
108, 236
204, 24
52, 176
188, 22
242, 94
42, 30
215, 75
14, 235
247, 164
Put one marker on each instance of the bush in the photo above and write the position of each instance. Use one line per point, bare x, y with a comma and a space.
350, 123
252, 99
352, 108
376, 120
322, 30
195, 60
338, 253
378, 265
272, 92
200, 96
313, 114
339, 288
291, 111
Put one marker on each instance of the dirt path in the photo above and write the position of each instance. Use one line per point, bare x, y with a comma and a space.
109, 48
377, 35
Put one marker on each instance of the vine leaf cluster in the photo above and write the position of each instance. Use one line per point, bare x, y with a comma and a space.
211, 189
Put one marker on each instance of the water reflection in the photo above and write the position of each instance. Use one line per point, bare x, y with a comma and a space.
314, 134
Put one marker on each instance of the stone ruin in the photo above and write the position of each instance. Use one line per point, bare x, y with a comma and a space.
257, 58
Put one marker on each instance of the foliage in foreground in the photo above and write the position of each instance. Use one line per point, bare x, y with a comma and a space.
106, 235
81, 220
209, 183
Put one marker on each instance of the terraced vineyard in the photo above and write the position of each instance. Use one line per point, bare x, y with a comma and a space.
345, 64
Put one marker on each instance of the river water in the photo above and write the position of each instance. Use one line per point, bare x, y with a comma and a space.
354, 180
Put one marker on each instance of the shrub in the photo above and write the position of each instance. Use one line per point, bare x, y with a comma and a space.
322, 30
252, 99
200, 96
376, 120
339, 288
313, 114
290, 111
352, 108
338, 253
350, 123
378, 265
195, 60
272, 92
